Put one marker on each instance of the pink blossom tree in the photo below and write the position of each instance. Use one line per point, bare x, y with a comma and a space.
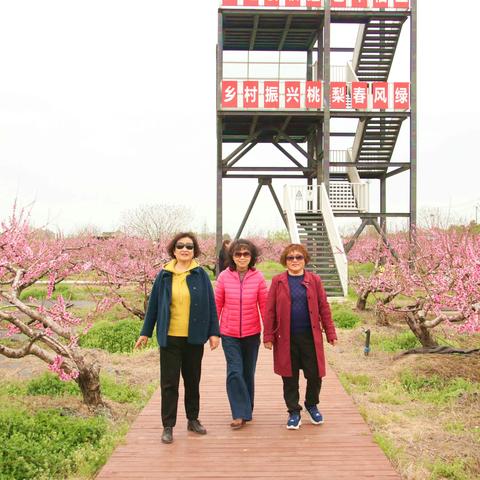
439, 280
50, 332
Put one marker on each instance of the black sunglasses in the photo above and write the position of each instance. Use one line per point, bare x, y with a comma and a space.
188, 246
290, 258
242, 254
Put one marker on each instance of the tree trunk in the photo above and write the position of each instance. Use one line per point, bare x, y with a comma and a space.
362, 300
89, 382
420, 331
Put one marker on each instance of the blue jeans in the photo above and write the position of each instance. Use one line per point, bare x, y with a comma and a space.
241, 356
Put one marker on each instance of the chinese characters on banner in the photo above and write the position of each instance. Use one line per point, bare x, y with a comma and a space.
400, 4
229, 94
401, 96
380, 95
359, 95
338, 95
273, 94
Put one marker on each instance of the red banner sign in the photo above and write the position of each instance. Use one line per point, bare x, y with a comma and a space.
250, 94
313, 95
272, 3
338, 3
401, 96
292, 3
338, 95
250, 3
380, 95
359, 95
271, 95
380, 3
229, 94
292, 94
314, 3
230, 3
359, 4
401, 4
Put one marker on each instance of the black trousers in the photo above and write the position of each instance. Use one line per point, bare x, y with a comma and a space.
180, 357
303, 356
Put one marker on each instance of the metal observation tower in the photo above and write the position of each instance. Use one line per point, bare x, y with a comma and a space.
281, 83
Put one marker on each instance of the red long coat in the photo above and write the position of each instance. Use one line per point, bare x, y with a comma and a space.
277, 321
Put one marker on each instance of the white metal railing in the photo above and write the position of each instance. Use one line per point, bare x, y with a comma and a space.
305, 198
334, 239
317, 4
291, 220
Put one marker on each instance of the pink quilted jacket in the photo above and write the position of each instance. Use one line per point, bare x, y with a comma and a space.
238, 303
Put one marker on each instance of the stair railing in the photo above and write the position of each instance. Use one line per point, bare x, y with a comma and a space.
290, 213
334, 238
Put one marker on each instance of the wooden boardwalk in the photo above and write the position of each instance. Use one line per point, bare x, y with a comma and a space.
341, 448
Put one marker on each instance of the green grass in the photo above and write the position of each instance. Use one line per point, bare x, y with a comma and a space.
270, 269
50, 444
388, 447
357, 382
394, 343
364, 269
435, 389
114, 337
452, 470
50, 385
39, 292
344, 317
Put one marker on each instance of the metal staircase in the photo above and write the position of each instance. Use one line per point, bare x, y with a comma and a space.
375, 141
376, 45
313, 235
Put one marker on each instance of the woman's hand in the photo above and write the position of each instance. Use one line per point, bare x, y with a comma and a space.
214, 342
332, 342
268, 345
141, 342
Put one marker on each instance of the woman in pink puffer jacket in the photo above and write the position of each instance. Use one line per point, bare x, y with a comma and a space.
241, 296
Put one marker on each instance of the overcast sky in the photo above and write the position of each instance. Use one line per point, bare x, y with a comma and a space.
109, 104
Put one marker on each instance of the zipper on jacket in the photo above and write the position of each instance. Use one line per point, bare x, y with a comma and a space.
241, 300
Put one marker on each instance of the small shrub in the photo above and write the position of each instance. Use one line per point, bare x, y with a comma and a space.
114, 337
45, 445
454, 470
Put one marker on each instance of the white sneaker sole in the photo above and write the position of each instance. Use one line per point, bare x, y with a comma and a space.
292, 427
316, 423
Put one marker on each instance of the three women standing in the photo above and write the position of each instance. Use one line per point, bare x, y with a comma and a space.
240, 297
297, 313
182, 307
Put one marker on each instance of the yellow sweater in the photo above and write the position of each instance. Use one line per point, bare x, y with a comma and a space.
180, 306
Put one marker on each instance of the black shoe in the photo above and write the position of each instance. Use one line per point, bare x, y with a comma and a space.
167, 435
196, 426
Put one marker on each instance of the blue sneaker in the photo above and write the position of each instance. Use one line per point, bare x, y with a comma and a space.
315, 416
294, 421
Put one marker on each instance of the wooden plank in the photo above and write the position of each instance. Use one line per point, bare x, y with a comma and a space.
341, 448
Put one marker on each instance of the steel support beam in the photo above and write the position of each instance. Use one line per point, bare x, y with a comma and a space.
413, 120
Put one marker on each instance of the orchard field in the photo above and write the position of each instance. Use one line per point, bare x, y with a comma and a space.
71, 310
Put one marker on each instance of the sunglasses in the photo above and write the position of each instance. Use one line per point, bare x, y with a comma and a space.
242, 254
188, 246
290, 258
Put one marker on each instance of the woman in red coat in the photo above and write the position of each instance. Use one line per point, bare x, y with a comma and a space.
297, 314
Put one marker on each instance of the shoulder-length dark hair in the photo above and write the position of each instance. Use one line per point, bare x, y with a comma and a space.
240, 244
291, 248
177, 237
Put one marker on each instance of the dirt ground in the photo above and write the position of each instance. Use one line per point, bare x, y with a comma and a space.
422, 434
